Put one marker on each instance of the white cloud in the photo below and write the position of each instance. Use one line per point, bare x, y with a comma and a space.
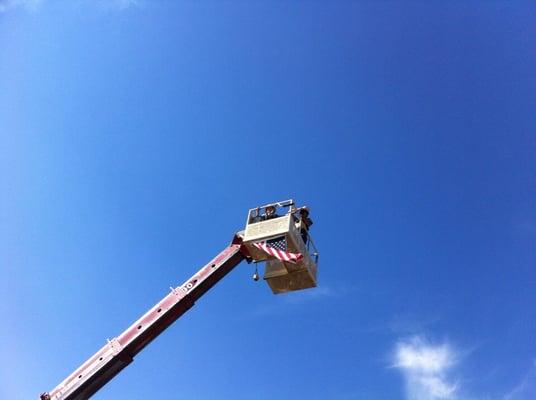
425, 368
6, 5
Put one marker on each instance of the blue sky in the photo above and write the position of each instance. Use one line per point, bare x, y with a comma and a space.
134, 136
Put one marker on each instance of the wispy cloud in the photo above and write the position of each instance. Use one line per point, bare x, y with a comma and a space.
293, 301
426, 369
120, 4
6, 5
527, 226
311, 295
526, 388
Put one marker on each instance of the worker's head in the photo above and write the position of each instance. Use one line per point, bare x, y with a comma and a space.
270, 210
304, 211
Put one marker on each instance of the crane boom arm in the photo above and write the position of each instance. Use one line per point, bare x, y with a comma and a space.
119, 352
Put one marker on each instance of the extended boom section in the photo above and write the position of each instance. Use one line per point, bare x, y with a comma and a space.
276, 233
120, 351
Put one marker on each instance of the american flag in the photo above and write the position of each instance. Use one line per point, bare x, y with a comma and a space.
278, 248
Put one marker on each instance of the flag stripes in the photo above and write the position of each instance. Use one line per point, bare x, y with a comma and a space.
277, 248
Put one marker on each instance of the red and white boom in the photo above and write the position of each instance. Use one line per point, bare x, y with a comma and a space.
119, 352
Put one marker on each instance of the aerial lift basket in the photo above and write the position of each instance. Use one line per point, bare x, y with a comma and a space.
289, 230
